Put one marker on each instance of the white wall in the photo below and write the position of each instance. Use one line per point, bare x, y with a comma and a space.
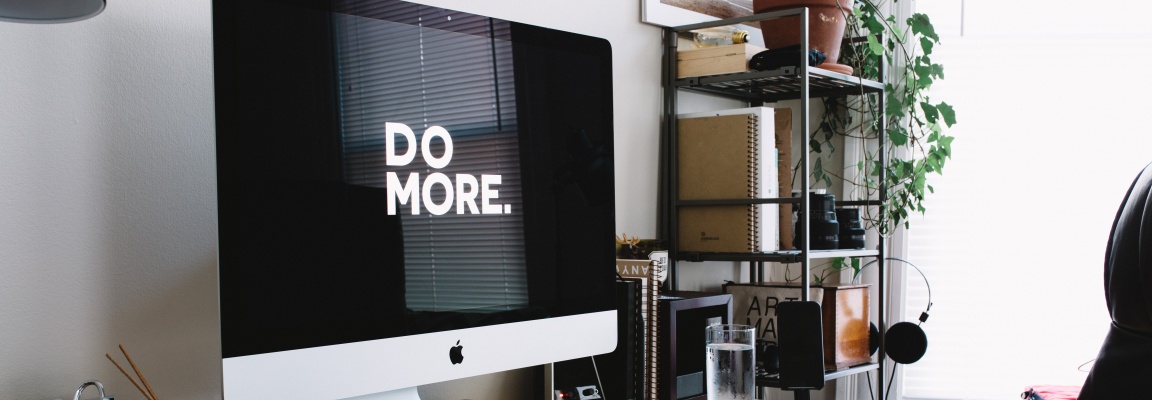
107, 202
107, 188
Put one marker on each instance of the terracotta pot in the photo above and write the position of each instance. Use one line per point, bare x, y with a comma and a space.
826, 24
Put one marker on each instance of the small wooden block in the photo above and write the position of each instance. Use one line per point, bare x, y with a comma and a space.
715, 60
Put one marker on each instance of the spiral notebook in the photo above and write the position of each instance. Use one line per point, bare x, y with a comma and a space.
727, 155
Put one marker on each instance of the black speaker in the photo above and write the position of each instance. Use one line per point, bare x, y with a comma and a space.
801, 335
905, 342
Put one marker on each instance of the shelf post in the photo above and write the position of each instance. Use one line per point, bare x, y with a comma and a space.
882, 127
805, 204
670, 179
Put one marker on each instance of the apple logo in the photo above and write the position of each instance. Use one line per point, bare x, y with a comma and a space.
456, 354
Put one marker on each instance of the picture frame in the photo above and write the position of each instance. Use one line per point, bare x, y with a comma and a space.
682, 12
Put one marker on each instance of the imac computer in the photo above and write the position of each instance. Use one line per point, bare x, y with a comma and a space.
407, 195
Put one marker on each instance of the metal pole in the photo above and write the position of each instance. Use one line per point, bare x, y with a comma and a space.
670, 137
806, 246
882, 326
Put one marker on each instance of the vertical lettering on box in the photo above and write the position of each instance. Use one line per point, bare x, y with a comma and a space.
755, 305
770, 304
770, 327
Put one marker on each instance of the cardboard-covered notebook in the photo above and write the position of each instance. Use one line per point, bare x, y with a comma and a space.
727, 157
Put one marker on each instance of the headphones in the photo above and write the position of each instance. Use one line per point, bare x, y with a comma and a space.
905, 342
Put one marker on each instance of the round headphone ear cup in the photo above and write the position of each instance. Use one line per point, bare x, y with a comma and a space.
768, 356
873, 339
905, 343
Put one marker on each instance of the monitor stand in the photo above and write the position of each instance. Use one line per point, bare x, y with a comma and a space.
398, 394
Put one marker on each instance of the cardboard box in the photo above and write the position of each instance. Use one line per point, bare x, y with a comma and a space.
844, 309
715, 60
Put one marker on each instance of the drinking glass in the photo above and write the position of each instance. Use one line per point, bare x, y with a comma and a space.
730, 370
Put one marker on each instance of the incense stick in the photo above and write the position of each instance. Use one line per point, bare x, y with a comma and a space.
133, 364
122, 371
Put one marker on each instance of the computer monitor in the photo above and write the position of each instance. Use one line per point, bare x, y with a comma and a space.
407, 195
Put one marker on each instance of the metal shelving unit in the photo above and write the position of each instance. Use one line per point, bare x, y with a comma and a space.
789, 83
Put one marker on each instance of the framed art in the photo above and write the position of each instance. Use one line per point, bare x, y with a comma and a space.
682, 12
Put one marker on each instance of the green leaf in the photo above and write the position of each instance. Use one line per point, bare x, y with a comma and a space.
923, 76
897, 137
926, 45
906, 168
875, 46
875, 27
948, 113
938, 71
930, 112
933, 163
945, 146
921, 25
894, 106
827, 129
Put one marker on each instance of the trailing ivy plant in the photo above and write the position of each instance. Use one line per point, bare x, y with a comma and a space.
916, 145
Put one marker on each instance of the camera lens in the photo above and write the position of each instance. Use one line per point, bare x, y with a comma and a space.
824, 229
851, 229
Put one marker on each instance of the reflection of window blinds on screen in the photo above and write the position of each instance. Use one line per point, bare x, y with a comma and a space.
420, 76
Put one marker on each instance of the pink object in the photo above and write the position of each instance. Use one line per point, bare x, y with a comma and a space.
1051, 392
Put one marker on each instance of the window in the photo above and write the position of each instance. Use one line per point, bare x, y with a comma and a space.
1050, 135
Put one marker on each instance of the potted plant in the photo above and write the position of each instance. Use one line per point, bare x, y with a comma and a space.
916, 145
827, 20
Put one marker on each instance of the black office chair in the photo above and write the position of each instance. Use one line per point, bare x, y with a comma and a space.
1125, 359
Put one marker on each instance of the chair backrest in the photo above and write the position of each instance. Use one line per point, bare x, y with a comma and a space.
1128, 259
1122, 366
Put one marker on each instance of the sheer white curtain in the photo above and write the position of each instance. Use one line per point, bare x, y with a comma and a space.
1052, 128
